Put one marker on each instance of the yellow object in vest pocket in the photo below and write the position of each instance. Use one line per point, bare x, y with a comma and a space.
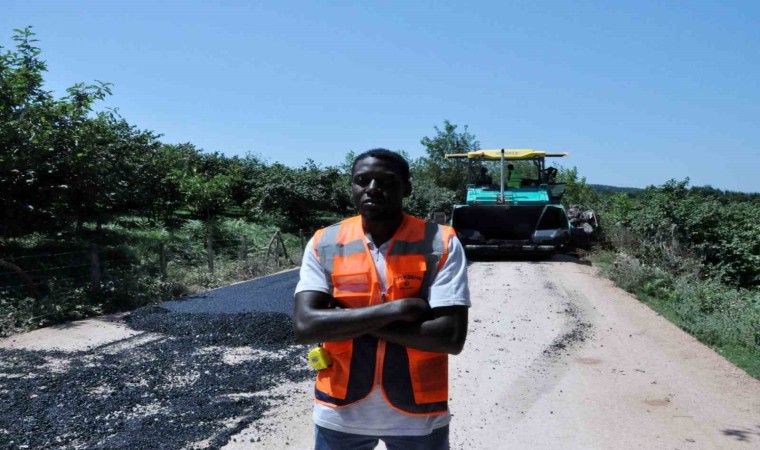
319, 358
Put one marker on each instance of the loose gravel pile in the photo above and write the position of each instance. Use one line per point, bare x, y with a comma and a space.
167, 390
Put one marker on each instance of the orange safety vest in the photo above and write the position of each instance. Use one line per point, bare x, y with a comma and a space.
413, 381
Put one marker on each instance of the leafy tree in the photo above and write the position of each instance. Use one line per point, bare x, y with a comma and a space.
158, 180
26, 116
619, 209
306, 197
43, 140
206, 196
449, 174
427, 198
577, 191
103, 174
244, 171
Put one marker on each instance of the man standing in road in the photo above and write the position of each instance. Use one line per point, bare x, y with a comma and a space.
387, 295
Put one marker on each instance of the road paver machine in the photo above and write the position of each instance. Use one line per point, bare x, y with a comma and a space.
520, 212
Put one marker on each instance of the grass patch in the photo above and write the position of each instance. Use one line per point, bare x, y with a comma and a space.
602, 259
746, 358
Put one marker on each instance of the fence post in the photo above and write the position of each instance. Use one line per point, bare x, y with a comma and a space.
162, 260
269, 246
277, 249
285, 251
94, 269
244, 250
303, 245
210, 251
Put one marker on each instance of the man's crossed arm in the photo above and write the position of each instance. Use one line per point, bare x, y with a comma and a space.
409, 322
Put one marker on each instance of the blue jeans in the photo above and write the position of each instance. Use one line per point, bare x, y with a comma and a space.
327, 439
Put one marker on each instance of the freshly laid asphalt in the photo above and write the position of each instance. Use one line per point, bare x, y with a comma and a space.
269, 294
172, 391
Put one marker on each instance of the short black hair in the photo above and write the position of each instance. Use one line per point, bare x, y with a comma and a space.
394, 158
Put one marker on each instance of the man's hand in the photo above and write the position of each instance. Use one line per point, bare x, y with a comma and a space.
441, 330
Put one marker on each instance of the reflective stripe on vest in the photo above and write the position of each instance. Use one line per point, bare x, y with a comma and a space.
413, 381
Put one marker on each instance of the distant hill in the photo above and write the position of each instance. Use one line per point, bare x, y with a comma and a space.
706, 191
614, 189
709, 191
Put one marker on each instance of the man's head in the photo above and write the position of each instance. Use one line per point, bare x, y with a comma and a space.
510, 167
379, 183
483, 170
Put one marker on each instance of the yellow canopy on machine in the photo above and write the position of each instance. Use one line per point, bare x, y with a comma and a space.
509, 154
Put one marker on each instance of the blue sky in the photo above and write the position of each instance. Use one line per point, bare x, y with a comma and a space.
637, 92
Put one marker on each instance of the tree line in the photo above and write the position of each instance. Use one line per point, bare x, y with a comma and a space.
64, 163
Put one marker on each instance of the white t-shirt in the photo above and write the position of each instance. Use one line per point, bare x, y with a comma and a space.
372, 415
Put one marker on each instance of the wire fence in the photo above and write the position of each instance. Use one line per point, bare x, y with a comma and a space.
69, 271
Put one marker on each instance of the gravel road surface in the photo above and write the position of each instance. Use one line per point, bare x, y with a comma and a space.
556, 357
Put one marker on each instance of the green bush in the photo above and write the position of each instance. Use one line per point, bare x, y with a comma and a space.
686, 230
16, 314
427, 198
65, 300
717, 314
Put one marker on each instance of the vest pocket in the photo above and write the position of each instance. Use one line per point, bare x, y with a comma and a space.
430, 375
334, 380
352, 289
